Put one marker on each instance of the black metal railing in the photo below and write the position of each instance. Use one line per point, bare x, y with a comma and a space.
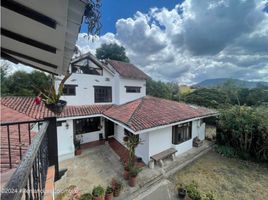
15, 139
28, 180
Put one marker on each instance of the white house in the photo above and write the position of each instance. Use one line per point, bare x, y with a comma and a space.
108, 100
121, 87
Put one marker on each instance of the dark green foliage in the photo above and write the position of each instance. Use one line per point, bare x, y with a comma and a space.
226, 151
109, 190
162, 90
4, 69
244, 129
86, 196
134, 171
227, 95
22, 83
98, 191
112, 51
192, 191
212, 98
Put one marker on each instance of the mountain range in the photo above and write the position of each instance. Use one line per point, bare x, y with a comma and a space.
209, 83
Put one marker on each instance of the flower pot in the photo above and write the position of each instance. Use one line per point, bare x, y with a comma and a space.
117, 192
181, 193
126, 176
132, 181
99, 197
109, 196
56, 108
78, 152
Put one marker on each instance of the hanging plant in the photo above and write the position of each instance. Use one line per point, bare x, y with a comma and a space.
51, 97
92, 17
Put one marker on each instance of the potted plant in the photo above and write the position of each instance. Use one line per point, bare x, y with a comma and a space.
98, 193
109, 193
86, 196
117, 187
51, 97
133, 173
77, 145
181, 193
126, 170
132, 141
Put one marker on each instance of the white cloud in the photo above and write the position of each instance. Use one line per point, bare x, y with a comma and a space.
195, 41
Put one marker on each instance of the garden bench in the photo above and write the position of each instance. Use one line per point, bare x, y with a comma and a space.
158, 158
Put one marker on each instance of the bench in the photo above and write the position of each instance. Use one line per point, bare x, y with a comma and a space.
158, 158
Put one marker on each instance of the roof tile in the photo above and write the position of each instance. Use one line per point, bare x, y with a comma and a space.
127, 70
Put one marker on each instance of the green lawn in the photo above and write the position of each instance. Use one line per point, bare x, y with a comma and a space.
227, 178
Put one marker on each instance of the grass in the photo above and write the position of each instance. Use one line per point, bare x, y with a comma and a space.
226, 178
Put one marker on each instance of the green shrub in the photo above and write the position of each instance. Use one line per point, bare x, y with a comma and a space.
226, 151
134, 171
208, 196
86, 196
192, 191
109, 190
98, 191
246, 130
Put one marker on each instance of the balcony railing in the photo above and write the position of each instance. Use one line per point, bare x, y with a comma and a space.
28, 180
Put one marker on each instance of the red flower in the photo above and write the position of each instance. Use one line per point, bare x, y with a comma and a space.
37, 100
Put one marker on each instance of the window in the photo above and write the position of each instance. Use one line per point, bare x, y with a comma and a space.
59, 123
133, 89
69, 90
87, 125
86, 66
103, 94
181, 133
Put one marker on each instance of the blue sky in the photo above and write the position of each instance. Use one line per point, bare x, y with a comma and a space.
112, 10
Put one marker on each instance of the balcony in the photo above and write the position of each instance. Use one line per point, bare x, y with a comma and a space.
28, 150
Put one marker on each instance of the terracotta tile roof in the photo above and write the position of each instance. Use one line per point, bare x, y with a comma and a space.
27, 107
127, 70
149, 112
10, 115
140, 114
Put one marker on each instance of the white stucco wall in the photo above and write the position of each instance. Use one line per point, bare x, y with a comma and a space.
142, 150
126, 97
85, 87
65, 140
160, 140
119, 133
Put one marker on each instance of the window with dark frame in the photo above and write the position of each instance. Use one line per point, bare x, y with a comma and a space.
133, 89
87, 125
103, 94
69, 90
181, 133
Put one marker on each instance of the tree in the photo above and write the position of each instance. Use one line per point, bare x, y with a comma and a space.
208, 97
4, 70
112, 51
246, 130
22, 83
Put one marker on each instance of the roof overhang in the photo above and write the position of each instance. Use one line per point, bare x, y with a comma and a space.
41, 34
175, 123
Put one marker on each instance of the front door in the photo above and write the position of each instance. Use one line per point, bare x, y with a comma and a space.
109, 128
